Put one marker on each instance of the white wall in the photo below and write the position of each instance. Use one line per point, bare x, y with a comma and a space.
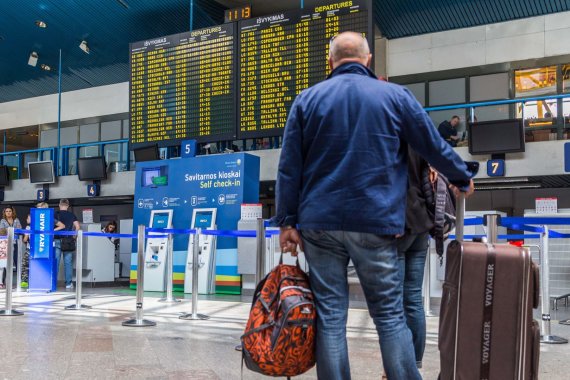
535, 37
80, 104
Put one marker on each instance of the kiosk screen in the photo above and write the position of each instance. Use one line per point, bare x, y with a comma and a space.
148, 175
160, 221
203, 219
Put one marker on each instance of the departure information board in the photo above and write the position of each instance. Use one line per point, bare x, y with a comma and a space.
236, 80
183, 87
282, 54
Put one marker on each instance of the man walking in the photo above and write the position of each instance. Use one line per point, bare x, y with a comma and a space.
341, 194
71, 223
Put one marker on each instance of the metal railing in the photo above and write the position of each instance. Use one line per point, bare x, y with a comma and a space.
552, 122
117, 152
118, 149
17, 162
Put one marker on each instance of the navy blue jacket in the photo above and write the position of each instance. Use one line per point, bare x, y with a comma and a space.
343, 164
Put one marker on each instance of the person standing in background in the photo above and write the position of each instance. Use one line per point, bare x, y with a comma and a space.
10, 219
26, 258
71, 223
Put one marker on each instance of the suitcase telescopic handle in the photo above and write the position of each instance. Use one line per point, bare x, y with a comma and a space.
460, 217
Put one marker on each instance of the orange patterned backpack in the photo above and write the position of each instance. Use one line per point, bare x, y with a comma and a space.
279, 339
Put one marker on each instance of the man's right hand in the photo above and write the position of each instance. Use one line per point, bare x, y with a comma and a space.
289, 240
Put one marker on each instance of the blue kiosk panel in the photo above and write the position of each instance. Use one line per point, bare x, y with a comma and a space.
222, 181
43, 271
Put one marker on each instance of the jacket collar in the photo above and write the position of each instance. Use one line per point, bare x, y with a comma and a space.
352, 68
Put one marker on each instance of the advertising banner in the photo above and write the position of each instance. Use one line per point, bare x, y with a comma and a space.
40, 244
43, 271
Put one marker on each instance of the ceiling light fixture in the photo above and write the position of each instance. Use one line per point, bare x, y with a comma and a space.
124, 4
83, 46
33, 59
45, 67
41, 24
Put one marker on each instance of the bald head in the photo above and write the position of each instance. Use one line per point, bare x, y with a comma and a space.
349, 47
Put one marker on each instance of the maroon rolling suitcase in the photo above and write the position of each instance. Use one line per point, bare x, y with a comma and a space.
486, 328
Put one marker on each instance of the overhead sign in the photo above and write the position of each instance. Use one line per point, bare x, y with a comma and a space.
496, 168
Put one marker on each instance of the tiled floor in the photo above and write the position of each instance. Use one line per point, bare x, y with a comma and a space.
49, 342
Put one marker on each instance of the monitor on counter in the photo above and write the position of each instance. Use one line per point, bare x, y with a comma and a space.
91, 168
4, 176
148, 153
496, 137
41, 172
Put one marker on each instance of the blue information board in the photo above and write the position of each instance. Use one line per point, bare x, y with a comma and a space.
42, 259
496, 168
189, 148
222, 182
93, 190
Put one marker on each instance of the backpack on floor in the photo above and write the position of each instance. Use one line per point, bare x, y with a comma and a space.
279, 338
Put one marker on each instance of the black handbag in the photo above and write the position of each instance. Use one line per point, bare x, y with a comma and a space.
68, 243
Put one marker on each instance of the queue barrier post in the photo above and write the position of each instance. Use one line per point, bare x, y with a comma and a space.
169, 272
261, 251
8, 311
78, 275
546, 336
21, 251
195, 267
138, 321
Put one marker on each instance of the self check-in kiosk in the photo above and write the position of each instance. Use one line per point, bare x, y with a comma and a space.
155, 252
204, 218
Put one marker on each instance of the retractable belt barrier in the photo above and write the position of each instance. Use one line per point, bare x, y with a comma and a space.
142, 234
537, 226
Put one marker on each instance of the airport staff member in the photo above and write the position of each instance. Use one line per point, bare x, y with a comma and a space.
448, 130
342, 182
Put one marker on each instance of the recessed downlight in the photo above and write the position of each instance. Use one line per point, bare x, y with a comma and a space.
41, 24
45, 67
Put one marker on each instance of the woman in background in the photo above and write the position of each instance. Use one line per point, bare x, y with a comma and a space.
111, 228
10, 219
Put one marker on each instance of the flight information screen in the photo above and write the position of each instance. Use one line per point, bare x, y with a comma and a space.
183, 87
282, 54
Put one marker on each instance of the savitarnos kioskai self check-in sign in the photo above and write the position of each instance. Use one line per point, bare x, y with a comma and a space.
213, 185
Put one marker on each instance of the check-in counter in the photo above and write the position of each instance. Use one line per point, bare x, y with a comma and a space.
98, 256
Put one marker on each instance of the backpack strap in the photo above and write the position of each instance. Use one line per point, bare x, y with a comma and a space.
296, 261
439, 215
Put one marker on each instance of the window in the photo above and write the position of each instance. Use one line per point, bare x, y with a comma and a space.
539, 114
566, 78
419, 91
535, 82
449, 91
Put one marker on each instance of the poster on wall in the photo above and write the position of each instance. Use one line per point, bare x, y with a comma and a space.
3, 251
87, 215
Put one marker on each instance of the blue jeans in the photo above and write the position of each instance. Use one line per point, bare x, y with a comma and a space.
67, 261
375, 260
412, 251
